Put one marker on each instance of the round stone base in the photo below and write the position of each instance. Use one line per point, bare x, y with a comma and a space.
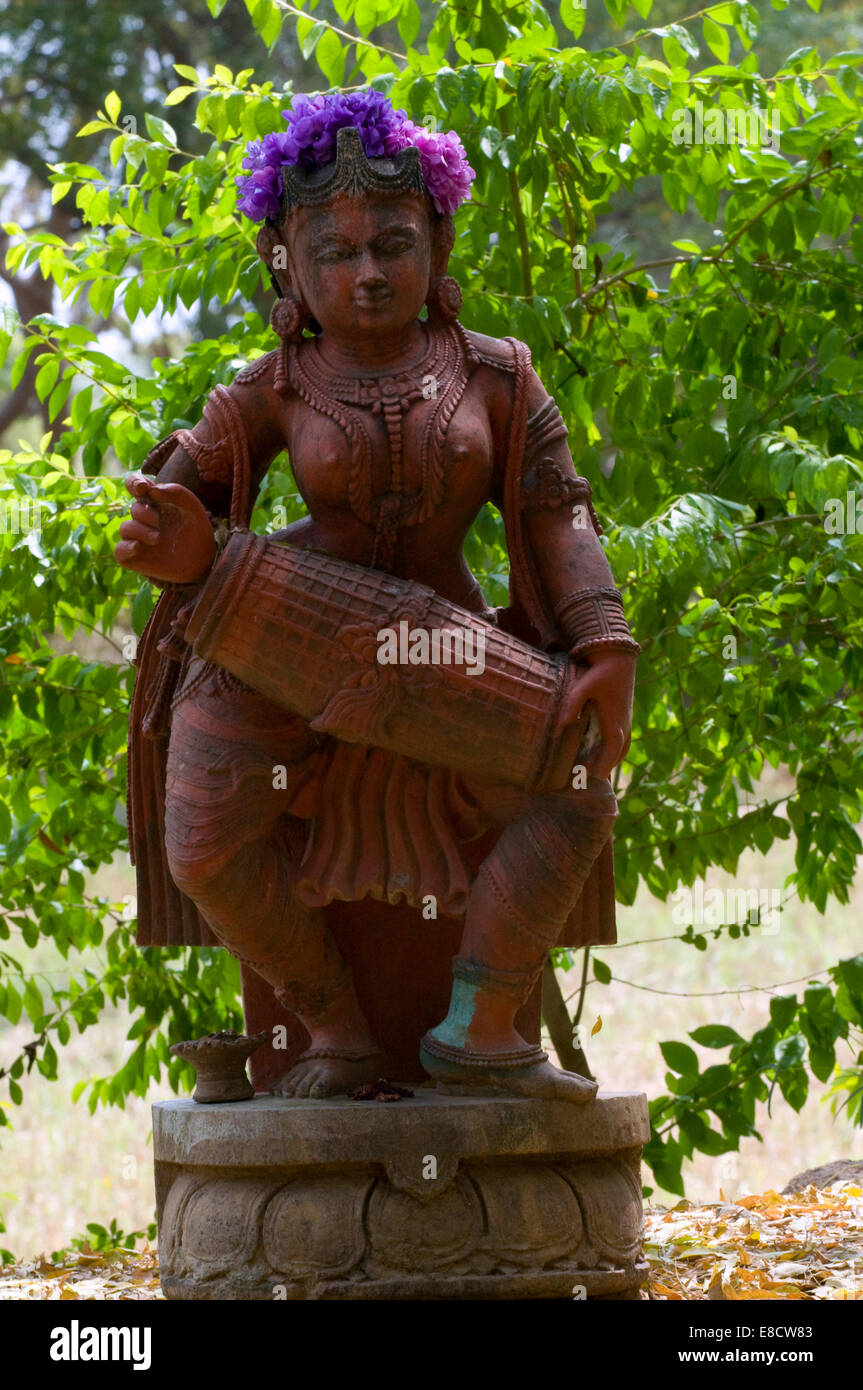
439, 1196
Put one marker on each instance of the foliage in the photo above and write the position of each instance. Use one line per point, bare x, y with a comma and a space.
801, 1037
716, 409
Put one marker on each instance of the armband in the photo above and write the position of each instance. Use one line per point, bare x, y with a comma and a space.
592, 618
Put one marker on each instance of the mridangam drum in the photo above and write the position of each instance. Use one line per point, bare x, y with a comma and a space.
377, 660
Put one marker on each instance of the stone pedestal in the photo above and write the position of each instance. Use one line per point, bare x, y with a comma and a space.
441, 1196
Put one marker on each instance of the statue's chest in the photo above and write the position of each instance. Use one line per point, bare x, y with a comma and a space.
413, 458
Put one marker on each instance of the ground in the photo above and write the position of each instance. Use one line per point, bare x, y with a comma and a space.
804, 1247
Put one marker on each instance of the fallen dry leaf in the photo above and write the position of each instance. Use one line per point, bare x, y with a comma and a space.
807, 1246
762, 1246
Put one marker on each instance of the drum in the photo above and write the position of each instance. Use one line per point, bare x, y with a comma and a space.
373, 659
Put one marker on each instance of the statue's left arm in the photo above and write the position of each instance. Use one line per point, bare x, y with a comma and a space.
563, 532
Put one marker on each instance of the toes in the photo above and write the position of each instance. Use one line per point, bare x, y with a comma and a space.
310, 1082
303, 1085
575, 1088
287, 1084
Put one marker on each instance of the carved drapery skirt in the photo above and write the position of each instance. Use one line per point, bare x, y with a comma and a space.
378, 825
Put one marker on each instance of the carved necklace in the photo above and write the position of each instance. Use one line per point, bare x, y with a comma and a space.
439, 376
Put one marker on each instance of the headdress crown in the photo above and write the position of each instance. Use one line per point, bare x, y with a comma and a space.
372, 146
352, 172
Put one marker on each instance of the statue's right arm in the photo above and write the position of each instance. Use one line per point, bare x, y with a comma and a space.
169, 537
181, 468
204, 457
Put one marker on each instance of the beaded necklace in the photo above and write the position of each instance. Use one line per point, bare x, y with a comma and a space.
440, 377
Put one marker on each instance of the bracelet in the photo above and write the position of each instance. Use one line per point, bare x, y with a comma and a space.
174, 586
625, 644
593, 618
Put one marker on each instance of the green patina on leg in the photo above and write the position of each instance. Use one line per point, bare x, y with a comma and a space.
462, 1006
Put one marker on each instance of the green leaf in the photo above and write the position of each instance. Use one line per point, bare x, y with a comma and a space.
790, 1051
680, 1058
573, 16
409, 22
330, 57
160, 130
142, 606
601, 971
310, 38
783, 1009
113, 105
179, 94
716, 38
715, 1035
822, 1060
33, 1002
19, 366
46, 378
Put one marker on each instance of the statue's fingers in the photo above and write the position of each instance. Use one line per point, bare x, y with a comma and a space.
608, 754
575, 699
175, 495
143, 512
127, 554
613, 750
138, 484
137, 531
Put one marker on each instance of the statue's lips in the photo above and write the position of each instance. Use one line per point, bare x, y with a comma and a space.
373, 301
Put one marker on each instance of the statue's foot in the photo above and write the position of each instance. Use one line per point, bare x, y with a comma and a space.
523, 1072
323, 1071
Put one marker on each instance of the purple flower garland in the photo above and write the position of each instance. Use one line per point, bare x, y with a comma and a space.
310, 140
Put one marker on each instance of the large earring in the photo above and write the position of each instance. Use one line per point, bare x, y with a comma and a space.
443, 300
289, 317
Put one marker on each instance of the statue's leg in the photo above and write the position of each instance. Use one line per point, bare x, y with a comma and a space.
225, 827
520, 901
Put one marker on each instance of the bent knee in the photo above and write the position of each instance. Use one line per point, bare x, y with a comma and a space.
197, 873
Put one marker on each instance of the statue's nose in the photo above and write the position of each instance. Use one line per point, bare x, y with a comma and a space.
370, 272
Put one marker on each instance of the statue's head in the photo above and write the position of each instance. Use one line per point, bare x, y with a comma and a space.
356, 204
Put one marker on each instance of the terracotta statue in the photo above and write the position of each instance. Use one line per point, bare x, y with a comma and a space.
251, 806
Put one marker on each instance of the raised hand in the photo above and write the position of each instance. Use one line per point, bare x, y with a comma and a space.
169, 537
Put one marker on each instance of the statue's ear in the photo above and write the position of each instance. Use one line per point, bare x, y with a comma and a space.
443, 298
268, 240
442, 241
273, 250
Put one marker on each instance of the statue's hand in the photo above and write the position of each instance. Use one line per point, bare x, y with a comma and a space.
609, 683
170, 537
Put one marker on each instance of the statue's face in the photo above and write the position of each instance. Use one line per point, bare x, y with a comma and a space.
362, 265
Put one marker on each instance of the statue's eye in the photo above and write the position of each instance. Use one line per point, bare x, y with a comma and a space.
395, 246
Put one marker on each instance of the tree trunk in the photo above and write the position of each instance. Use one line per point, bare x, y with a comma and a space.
559, 1024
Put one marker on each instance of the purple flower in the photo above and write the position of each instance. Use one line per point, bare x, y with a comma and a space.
259, 193
310, 140
446, 172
